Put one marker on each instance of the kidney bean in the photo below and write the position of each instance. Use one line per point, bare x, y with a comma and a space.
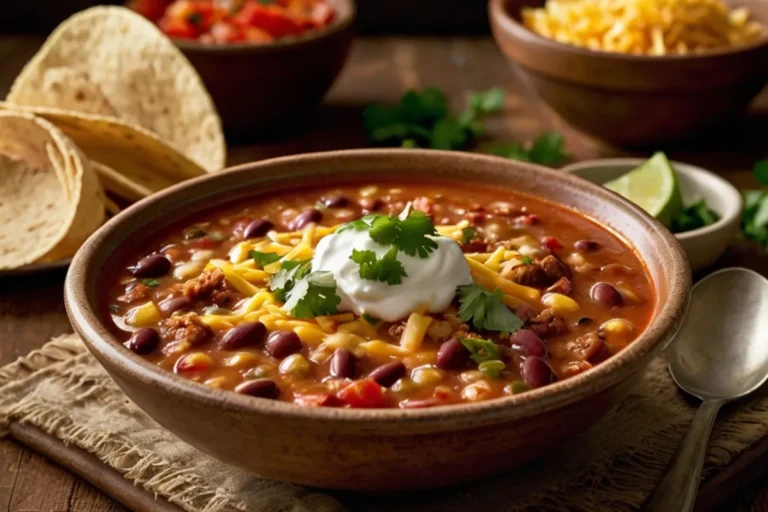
343, 364
281, 344
452, 355
336, 202
172, 304
260, 388
527, 342
586, 246
536, 372
306, 217
248, 334
144, 341
605, 294
257, 228
154, 265
387, 374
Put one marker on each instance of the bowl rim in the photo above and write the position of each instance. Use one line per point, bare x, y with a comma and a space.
500, 15
733, 197
337, 26
602, 377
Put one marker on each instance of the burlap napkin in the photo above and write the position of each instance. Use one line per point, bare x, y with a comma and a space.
62, 390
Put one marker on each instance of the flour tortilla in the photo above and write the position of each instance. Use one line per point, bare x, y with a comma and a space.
50, 198
137, 154
111, 61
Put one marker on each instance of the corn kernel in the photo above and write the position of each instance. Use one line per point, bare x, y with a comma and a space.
560, 304
405, 385
426, 375
257, 372
194, 362
295, 365
440, 329
479, 390
368, 191
242, 360
216, 382
144, 315
420, 358
617, 333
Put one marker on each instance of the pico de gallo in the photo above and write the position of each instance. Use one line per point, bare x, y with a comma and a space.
235, 21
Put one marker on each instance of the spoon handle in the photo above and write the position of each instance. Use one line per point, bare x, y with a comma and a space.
677, 489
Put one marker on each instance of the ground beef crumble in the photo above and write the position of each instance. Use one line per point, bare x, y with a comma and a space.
563, 286
184, 331
211, 284
546, 324
136, 292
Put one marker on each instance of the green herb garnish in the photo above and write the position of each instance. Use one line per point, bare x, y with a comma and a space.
284, 279
314, 295
492, 368
485, 310
467, 235
422, 119
263, 259
152, 283
480, 350
546, 149
385, 269
114, 308
693, 217
526, 260
371, 320
754, 220
409, 235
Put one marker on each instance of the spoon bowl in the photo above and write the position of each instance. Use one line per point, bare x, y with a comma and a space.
721, 350
719, 354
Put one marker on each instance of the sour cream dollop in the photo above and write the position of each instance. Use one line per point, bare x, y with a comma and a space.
430, 282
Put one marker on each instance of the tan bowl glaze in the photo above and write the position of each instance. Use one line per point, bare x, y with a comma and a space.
270, 89
634, 100
383, 449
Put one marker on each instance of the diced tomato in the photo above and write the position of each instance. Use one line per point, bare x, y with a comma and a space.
322, 14
153, 10
257, 35
318, 400
203, 243
223, 32
178, 29
362, 393
551, 243
527, 220
271, 18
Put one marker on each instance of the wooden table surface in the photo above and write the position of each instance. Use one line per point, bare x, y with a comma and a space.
379, 70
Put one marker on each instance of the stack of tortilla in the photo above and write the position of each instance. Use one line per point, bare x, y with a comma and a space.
108, 103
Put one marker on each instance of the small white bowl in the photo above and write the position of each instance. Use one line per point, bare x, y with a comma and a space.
704, 245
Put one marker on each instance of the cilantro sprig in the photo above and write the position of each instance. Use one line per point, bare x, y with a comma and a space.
408, 233
485, 310
263, 259
754, 221
695, 216
422, 119
313, 295
546, 149
385, 269
285, 279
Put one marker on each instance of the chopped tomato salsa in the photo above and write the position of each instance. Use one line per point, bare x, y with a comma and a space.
232, 21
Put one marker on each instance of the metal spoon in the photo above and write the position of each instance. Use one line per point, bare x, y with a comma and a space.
720, 354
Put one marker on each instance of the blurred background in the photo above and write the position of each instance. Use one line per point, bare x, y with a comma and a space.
374, 16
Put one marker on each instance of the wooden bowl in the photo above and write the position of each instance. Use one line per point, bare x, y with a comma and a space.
267, 89
633, 100
381, 449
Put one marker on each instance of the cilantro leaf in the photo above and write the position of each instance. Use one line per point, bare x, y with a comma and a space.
412, 237
263, 259
754, 221
488, 102
546, 149
480, 350
360, 224
526, 260
284, 279
761, 171
152, 283
693, 217
467, 235
485, 310
384, 230
371, 320
385, 269
449, 133
313, 295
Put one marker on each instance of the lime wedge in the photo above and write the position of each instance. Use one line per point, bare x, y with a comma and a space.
653, 187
